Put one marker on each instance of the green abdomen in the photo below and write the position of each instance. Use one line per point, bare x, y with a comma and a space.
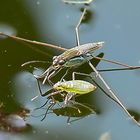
78, 86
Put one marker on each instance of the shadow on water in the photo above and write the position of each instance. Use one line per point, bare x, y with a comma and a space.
53, 20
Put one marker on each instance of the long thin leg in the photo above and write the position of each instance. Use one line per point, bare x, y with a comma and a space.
113, 96
68, 97
64, 74
84, 74
77, 27
118, 69
49, 107
54, 93
34, 42
115, 62
40, 91
46, 72
42, 105
48, 77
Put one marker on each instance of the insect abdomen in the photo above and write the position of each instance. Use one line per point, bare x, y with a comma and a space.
89, 47
78, 86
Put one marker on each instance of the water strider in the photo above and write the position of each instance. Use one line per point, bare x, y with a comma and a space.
80, 52
76, 56
71, 57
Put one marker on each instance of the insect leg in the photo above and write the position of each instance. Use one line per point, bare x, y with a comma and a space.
112, 96
118, 69
42, 105
46, 74
40, 91
54, 93
77, 27
49, 107
68, 97
115, 62
64, 74
88, 75
33, 42
49, 76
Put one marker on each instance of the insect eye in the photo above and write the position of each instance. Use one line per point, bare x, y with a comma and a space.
54, 63
54, 57
61, 62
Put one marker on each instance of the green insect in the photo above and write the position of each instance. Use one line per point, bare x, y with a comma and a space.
64, 91
72, 88
76, 86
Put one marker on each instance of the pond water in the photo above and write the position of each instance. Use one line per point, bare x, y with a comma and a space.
115, 22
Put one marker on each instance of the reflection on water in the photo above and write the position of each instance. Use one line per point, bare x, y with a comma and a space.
75, 109
7, 29
88, 16
105, 136
54, 22
77, 1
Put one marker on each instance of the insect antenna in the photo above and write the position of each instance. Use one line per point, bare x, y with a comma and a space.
34, 61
